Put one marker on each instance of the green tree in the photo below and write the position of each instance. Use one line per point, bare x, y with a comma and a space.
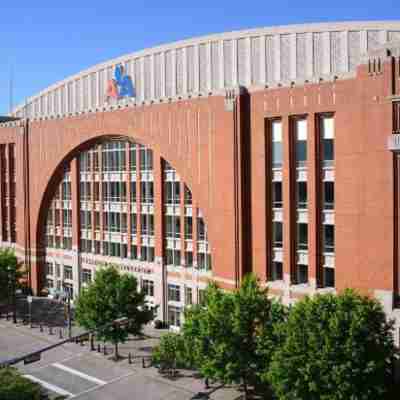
11, 274
224, 333
334, 347
111, 296
171, 353
13, 386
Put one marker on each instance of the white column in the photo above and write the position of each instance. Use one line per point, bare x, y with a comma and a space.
184, 71
234, 62
221, 82
152, 78
196, 69
293, 57
277, 57
263, 64
309, 59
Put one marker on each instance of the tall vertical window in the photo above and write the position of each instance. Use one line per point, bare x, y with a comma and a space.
301, 142
277, 235
276, 150
327, 140
277, 194
329, 196
302, 236
301, 194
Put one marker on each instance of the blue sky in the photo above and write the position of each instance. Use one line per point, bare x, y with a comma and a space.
46, 41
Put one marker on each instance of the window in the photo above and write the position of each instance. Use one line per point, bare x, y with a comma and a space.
133, 192
66, 190
276, 271
172, 192
67, 218
174, 293
68, 272
50, 283
147, 253
204, 261
172, 226
49, 269
301, 142
113, 157
327, 139
188, 296
148, 287
189, 259
188, 227
58, 270
67, 243
86, 275
69, 290
134, 252
277, 194
201, 296
302, 236
96, 220
132, 156
329, 238
301, 195
173, 257
188, 196
329, 277
302, 273
133, 224
147, 224
276, 130
329, 195
147, 192
96, 191
277, 234
146, 158
174, 316
201, 229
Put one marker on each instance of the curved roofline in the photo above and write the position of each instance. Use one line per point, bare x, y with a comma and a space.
244, 33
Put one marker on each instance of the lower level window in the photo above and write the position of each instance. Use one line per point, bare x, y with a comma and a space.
329, 277
86, 276
174, 316
276, 271
302, 273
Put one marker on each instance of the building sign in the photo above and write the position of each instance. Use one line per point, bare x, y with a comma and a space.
121, 86
141, 269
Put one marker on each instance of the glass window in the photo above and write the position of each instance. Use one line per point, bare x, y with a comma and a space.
327, 138
329, 195
49, 268
174, 293
134, 252
133, 192
201, 296
201, 229
148, 287
188, 296
189, 259
329, 277
301, 195
174, 316
276, 271
132, 156
68, 272
188, 227
86, 275
277, 194
301, 142
277, 234
204, 261
302, 273
276, 130
302, 236
329, 238
188, 196
133, 224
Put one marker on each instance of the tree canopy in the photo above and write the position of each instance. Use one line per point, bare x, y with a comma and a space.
334, 348
109, 297
13, 386
10, 273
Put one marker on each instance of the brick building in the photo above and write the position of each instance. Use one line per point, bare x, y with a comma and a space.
270, 150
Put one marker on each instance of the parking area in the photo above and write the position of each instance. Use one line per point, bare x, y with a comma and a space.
74, 371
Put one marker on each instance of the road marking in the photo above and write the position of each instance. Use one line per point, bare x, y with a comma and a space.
79, 373
49, 386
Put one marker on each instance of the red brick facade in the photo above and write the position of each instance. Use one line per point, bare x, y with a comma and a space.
220, 147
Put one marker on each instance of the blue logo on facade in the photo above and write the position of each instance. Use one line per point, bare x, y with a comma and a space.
121, 86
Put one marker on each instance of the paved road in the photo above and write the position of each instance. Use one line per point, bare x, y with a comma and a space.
76, 372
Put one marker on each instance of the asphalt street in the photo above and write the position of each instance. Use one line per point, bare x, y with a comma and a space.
76, 372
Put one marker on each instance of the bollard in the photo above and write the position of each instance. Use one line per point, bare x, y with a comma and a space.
50, 330
60, 335
98, 347
41, 328
104, 350
91, 342
143, 364
206, 384
129, 358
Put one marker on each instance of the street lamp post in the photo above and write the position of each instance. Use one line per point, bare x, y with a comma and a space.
29, 298
68, 310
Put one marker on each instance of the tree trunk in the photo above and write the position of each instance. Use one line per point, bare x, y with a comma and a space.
116, 351
245, 388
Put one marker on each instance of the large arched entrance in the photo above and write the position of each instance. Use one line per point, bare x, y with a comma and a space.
113, 202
